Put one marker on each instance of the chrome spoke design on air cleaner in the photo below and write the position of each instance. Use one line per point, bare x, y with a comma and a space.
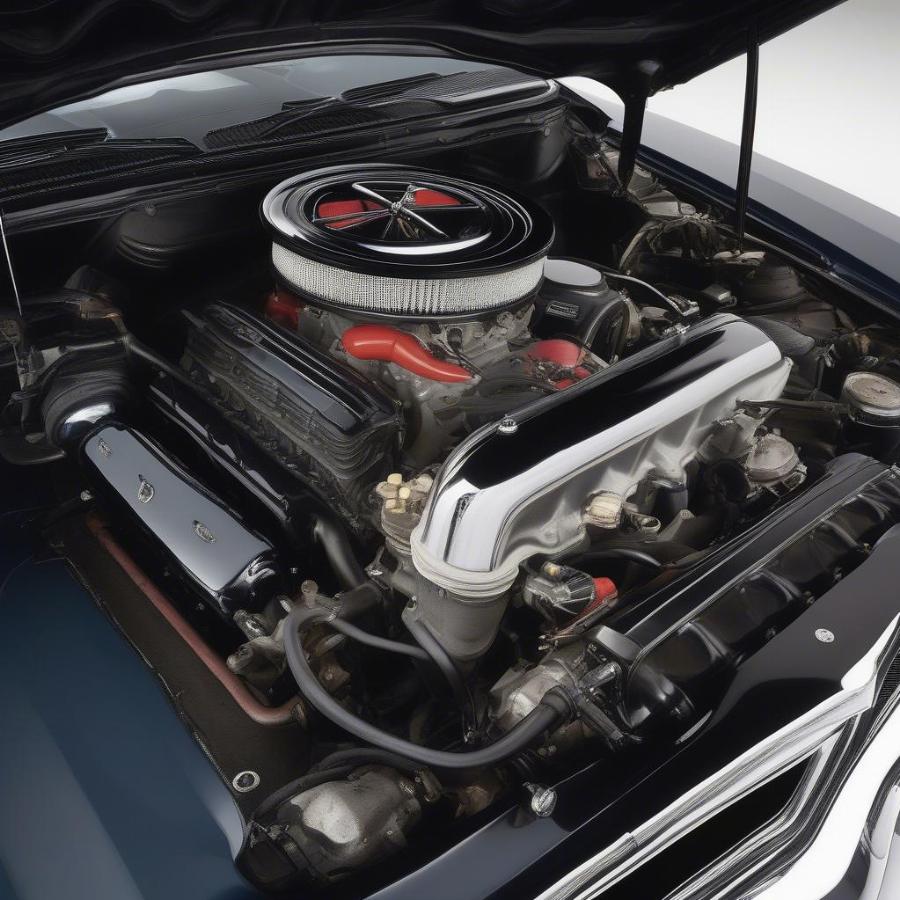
401, 208
365, 215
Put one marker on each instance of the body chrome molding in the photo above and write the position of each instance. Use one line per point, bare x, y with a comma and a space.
824, 863
811, 734
768, 835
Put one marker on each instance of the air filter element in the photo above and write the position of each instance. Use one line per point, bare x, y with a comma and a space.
389, 241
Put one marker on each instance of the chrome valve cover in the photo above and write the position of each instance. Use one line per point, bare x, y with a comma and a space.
508, 493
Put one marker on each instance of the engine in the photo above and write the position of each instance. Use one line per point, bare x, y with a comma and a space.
424, 284
451, 498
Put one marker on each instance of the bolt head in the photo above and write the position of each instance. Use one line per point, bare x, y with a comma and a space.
543, 799
824, 635
508, 425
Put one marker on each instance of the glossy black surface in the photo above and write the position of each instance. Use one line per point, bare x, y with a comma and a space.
280, 505
575, 298
647, 621
633, 49
320, 419
699, 630
612, 396
245, 103
516, 855
279, 492
343, 398
230, 567
513, 231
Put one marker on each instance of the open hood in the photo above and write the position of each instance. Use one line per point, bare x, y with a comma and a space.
58, 51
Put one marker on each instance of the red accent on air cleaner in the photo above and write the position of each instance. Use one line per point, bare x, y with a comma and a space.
391, 345
428, 197
284, 308
328, 208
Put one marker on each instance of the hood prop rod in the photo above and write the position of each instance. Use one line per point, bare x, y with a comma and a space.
748, 129
632, 125
635, 101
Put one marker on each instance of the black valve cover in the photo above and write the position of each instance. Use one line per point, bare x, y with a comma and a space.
320, 419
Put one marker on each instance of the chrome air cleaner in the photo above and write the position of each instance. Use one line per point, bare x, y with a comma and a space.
390, 241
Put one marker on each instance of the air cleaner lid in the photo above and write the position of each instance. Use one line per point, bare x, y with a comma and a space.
396, 241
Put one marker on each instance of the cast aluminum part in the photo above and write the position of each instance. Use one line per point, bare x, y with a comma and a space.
769, 460
521, 688
472, 539
772, 460
342, 825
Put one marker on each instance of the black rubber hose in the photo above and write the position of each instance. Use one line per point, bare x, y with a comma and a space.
336, 545
333, 767
627, 553
553, 709
358, 600
136, 350
310, 780
443, 661
379, 643
613, 274
366, 756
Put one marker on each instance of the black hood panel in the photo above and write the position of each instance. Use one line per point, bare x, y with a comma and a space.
53, 51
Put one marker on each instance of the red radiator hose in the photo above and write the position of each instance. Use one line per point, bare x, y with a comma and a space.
391, 345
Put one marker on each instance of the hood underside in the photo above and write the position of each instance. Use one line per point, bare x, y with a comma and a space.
58, 51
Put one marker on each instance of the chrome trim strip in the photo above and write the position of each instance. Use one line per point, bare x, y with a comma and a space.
822, 866
770, 832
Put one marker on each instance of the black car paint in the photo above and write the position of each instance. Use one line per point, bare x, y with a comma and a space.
52, 53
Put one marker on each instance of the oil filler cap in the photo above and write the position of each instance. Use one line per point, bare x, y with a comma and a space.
872, 398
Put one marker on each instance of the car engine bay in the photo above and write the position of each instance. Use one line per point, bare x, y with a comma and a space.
453, 486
